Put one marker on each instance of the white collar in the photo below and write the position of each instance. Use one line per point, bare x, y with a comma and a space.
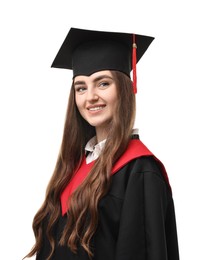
92, 145
94, 149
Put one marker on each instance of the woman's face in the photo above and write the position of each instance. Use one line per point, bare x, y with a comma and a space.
96, 98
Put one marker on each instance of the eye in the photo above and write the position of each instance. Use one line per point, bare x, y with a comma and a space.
80, 89
103, 84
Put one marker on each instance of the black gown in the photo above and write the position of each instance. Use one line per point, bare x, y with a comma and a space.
136, 218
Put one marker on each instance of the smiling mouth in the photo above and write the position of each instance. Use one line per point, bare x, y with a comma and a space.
98, 108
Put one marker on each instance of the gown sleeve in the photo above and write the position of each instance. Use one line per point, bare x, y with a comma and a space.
147, 226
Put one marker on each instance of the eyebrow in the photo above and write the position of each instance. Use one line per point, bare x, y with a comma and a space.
81, 82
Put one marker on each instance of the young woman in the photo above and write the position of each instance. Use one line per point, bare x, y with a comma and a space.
109, 196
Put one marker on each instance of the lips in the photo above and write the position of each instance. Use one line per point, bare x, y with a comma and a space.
96, 107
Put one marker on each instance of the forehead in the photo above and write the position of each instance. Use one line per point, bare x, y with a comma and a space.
94, 76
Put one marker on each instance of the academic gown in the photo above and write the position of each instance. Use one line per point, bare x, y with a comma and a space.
136, 218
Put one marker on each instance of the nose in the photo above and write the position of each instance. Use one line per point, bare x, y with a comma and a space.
92, 95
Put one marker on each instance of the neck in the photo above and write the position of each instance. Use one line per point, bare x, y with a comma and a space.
101, 134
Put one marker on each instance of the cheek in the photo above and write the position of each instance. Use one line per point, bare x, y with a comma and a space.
78, 102
80, 107
114, 100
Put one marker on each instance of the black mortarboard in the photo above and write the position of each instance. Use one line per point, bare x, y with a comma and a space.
86, 51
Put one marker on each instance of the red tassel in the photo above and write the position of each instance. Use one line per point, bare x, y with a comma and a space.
134, 62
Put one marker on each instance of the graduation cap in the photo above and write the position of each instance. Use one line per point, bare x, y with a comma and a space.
88, 51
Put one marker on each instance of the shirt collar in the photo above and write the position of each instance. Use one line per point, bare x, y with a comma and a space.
92, 145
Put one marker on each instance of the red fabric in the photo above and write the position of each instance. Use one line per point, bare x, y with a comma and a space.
78, 178
135, 149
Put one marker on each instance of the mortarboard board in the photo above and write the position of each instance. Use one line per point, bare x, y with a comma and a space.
88, 51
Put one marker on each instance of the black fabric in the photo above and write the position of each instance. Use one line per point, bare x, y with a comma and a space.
101, 55
137, 219
89, 51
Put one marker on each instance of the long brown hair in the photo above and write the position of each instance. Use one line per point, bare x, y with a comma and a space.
82, 218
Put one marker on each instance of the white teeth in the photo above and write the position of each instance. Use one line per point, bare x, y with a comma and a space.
95, 108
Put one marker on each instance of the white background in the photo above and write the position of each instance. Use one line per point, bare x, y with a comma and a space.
33, 99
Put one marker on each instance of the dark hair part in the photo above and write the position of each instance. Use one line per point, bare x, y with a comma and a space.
82, 218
